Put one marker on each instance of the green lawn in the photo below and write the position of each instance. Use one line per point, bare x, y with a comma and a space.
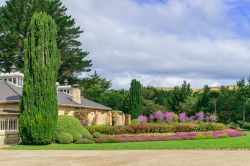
222, 143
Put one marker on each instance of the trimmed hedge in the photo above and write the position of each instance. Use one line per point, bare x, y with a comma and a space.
65, 138
97, 135
155, 128
71, 125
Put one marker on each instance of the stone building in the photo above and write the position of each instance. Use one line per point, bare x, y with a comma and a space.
70, 101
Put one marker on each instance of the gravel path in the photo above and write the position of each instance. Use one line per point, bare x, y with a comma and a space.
125, 157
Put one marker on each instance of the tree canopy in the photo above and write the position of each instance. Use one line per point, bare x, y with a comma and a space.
15, 17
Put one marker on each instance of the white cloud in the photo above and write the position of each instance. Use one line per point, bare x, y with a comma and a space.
162, 44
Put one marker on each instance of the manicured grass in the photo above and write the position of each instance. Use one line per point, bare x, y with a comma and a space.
222, 143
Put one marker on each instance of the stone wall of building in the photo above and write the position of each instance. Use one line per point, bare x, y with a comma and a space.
118, 118
9, 137
9, 106
93, 116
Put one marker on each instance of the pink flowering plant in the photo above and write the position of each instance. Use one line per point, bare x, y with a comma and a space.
176, 136
169, 116
142, 119
183, 117
159, 115
200, 116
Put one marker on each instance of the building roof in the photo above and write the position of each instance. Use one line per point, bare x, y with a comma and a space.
11, 93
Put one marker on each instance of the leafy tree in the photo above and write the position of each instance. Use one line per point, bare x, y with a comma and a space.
189, 105
94, 86
162, 98
148, 93
150, 107
15, 18
135, 99
227, 105
214, 96
116, 99
204, 102
39, 101
178, 95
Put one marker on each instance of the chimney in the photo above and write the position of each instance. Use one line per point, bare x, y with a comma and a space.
66, 82
13, 69
76, 93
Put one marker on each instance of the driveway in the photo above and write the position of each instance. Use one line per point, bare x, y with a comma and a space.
125, 157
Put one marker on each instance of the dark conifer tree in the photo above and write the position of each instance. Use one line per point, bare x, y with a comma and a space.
135, 99
39, 101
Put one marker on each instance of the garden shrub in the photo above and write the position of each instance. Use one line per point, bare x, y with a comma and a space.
96, 135
155, 128
72, 126
64, 138
86, 134
185, 127
202, 126
135, 121
233, 125
246, 125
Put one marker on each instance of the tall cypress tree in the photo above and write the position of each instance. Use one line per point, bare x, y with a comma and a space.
39, 101
135, 99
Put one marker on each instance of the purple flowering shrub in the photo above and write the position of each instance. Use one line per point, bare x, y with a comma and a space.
159, 115
142, 119
200, 116
183, 117
85, 122
212, 118
169, 117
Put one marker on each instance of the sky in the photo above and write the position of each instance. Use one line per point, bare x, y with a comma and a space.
163, 42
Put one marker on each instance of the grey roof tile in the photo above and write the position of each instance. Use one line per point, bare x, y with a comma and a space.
7, 93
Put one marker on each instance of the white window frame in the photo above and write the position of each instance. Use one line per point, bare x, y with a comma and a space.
8, 124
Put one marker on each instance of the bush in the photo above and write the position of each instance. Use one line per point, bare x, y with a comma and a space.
233, 125
156, 128
202, 126
246, 125
72, 126
65, 138
86, 134
97, 135
135, 121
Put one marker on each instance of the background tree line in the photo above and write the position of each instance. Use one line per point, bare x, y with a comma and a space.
231, 105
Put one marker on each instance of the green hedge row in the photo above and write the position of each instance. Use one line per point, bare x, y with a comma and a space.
156, 128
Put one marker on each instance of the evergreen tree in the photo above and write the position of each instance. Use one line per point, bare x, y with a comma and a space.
135, 99
15, 18
39, 101
94, 86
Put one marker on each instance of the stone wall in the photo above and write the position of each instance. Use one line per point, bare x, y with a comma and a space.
9, 106
94, 116
9, 137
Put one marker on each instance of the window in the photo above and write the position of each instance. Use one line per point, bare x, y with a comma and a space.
8, 124
14, 81
10, 80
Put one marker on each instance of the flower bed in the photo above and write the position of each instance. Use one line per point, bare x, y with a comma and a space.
169, 117
176, 136
157, 128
